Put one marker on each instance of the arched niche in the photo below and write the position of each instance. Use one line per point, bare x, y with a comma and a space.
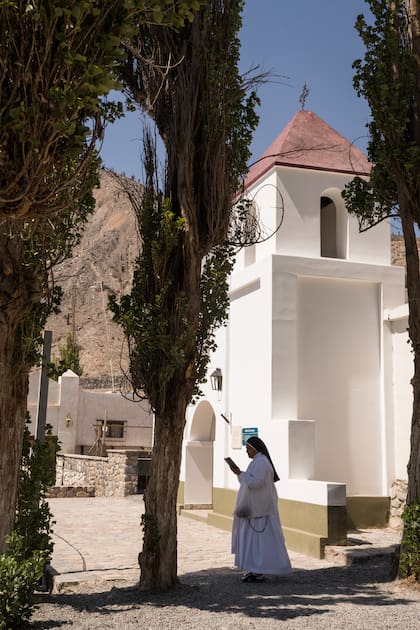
198, 492
203, 423
333, 224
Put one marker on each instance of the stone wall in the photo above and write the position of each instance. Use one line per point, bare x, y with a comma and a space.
65, 492
113, 476
398, 499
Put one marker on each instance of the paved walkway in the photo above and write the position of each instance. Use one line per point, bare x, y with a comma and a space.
100, 538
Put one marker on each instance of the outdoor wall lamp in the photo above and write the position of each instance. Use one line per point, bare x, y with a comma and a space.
216, 380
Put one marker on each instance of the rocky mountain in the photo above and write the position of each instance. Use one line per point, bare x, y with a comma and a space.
102, 264
398, 250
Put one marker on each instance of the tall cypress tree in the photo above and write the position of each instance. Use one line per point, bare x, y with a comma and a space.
389, 78
188, 81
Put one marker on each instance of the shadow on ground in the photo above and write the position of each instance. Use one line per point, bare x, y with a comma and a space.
302, 594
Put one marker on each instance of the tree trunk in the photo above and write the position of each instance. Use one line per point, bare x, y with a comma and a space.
158, 560
17, 299
409, 212
413, 291
13, 404
413, 468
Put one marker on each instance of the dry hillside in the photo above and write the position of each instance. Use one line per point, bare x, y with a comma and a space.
398, 250
103, 264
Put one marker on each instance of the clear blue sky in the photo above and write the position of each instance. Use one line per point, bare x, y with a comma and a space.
305, 41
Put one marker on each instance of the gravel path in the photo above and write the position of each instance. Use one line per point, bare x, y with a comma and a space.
99, 538
359, 597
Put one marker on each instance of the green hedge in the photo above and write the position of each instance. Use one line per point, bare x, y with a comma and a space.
410, 550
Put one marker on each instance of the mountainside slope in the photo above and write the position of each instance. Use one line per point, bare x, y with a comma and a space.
102, 264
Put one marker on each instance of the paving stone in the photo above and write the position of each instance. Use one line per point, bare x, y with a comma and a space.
99, 538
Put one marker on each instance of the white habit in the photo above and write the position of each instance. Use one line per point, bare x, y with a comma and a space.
258, 541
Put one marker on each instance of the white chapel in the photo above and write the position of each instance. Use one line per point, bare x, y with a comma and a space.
314, 358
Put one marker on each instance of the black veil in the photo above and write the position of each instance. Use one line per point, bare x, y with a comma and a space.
259, 446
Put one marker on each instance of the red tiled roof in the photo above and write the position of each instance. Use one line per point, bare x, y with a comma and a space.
308, 142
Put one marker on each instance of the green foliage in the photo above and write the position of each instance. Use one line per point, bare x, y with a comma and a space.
372, 200
410, 553
189, 82
156, 318
387, 79
168, 12
214, 289
69, 359
46, 243
205, 113
58, 61
154, 315
18, 579
33, 517
30, 545
229, 98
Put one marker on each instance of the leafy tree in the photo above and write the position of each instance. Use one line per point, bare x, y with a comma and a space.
37, 473
57, 62
69, 359
34, 247
389, 78
188, 81
30, 545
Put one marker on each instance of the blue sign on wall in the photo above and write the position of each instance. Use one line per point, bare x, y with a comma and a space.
248, 432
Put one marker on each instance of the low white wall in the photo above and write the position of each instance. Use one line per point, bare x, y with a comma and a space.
310, 491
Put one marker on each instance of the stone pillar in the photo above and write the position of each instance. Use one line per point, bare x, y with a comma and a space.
68, 412
122, 472
398, 500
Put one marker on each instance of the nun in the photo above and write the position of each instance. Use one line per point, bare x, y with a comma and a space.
257, 537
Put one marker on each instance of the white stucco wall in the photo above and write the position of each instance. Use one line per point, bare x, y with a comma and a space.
53, 389
281, 189
284, 357
250, 347
94, 405
339, 379
267, 208
373, 246
73, 412
300, 233
303, 359
403, 367
270, 205
307, 357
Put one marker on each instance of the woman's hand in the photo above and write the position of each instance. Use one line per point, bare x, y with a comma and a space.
235, 469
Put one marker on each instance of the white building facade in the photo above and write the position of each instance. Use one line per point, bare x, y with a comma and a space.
314, 357
91, 422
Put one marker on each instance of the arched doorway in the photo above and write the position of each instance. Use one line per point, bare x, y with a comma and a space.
199, 458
